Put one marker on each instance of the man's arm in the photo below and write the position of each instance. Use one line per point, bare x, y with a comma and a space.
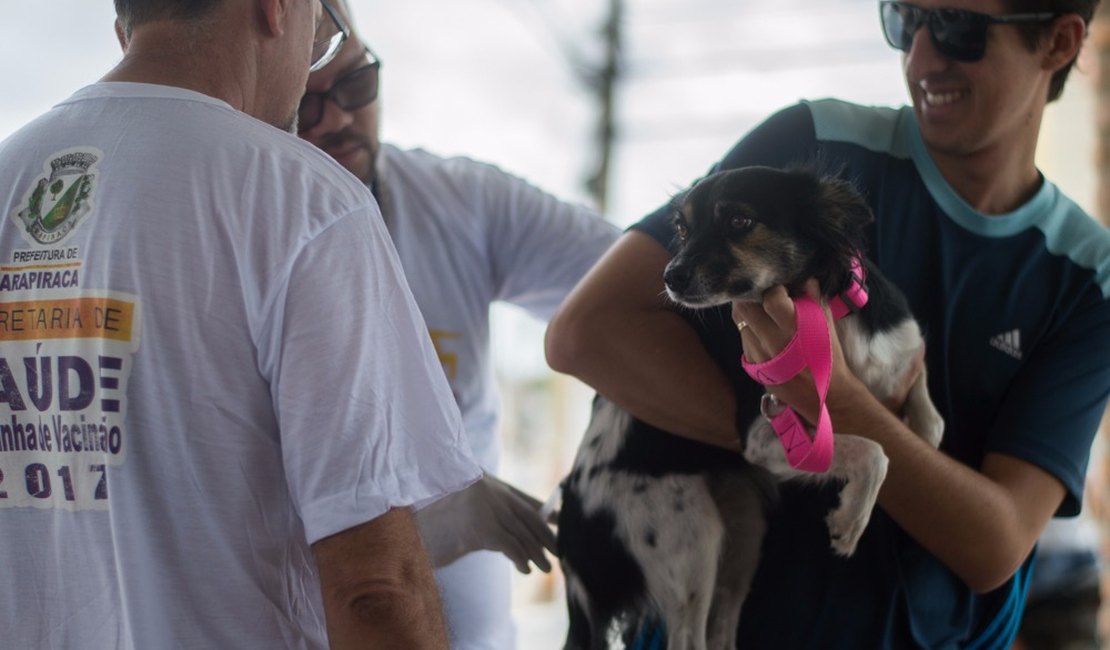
981, 524
618, 332
378, 588
540, 246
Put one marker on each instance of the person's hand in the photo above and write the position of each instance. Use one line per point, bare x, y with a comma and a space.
489, 515
767, 327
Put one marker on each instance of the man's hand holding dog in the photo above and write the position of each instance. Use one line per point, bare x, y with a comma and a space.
767, 327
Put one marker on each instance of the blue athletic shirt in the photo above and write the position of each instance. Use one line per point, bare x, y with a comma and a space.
1017, 322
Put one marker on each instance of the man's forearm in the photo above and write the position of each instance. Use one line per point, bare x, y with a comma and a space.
378, 588
618, 334
674, 390
401, 616
980, 523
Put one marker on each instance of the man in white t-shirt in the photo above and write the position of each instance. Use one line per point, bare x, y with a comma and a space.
468, 235
218, 399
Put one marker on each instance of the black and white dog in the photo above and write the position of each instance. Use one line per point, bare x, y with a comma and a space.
654, 527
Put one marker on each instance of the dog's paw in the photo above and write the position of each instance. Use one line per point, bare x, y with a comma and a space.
846, 526
857, 498
934, 430
921, 415
928, 424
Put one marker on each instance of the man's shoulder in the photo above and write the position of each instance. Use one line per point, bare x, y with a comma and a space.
880, 129
1072, 233
467, 183
454, 169
257, 156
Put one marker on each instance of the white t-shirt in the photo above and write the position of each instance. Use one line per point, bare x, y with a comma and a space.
198, 377
469, 234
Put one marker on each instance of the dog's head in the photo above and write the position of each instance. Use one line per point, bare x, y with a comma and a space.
744, 230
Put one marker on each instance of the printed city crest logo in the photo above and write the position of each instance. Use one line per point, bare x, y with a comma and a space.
59, 199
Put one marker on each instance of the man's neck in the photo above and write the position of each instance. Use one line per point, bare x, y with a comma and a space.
998, 179
993, 189
170, 54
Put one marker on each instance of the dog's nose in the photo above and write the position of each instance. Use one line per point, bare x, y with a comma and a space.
677, 278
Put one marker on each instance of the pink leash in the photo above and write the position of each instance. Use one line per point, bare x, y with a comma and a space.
812, 348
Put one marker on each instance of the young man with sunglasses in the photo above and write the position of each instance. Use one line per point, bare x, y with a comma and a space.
467, 235
198, 446
1010, 282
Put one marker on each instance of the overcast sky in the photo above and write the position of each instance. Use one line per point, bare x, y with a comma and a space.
504, 80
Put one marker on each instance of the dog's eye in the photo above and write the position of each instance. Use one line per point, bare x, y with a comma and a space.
741, 224
682, 231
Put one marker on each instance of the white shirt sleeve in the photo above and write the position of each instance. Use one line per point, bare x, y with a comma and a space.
540, 245
366, 416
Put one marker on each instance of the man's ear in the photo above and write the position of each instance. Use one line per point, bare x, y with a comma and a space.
121, 36
274, 15
1064, 41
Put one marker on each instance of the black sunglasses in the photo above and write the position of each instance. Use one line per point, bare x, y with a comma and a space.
350, 92
958, 34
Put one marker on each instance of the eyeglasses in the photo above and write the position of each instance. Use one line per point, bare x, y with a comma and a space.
958, 34
327, 42
352, 91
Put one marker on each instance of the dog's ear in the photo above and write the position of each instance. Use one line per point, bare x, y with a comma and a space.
676, 220
845, 216
845, 205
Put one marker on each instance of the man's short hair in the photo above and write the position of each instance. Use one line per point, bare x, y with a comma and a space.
1032, 33
137, 12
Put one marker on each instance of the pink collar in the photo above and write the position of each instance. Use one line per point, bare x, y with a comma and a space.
810, 348
855, 296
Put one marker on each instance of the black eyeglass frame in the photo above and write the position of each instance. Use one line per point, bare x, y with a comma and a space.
969, 24
332, 44
374, 65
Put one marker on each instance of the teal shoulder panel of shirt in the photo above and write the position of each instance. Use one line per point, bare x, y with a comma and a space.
1068, 230
875, 128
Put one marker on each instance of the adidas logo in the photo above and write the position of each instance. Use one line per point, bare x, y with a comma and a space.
1008, 342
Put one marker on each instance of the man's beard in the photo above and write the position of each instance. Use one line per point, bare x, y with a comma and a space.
289, 124
345, 139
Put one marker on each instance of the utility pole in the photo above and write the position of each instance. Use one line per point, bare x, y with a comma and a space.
605, 84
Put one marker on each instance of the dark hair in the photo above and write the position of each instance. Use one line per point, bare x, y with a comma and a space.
1032, 33
137, 12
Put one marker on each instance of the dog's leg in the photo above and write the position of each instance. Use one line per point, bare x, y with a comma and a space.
764, 450
578, 630
883, 362
858, 462
589, 509
587, 629
921, 414
685, 602
675, 533
741, 503
687, 623
862, 465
